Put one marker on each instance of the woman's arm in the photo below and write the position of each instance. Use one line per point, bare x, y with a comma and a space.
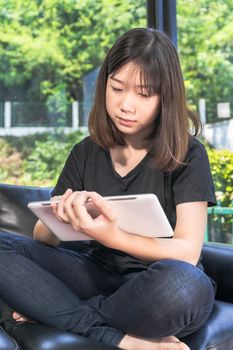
42, 233
185, 245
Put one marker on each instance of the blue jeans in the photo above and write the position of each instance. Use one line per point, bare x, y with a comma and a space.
77, 292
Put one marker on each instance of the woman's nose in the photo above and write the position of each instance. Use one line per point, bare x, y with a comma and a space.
128, 103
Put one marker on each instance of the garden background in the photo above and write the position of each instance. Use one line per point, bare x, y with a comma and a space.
48, 46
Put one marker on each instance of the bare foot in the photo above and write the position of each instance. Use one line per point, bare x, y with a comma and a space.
167, 343
20, 318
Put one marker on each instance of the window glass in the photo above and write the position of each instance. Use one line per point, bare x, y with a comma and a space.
205, 41
50, 53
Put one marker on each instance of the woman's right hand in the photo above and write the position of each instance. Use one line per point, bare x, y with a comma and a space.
41, 232
57, 205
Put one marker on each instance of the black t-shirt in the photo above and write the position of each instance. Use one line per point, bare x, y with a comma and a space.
89, 167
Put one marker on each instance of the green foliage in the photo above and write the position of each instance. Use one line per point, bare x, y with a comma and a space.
58, 41
53, 43
38, 160
221, 163
48, 157
35, 159
205, 34
11, 162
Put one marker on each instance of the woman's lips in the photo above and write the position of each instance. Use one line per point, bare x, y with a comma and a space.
124, 121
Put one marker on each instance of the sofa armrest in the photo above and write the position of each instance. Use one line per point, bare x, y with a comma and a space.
217, 259
36, 336
14, 214
6, 342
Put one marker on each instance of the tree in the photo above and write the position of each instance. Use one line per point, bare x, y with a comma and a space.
205, 36
59, 41
49, 45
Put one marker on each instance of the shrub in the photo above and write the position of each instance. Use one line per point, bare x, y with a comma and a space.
38, 160
35, 159
11, 162
221, 162
48, 156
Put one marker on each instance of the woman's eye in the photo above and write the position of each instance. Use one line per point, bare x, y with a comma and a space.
116, 89
143, 95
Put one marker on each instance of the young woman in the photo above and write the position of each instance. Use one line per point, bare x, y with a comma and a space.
122, 289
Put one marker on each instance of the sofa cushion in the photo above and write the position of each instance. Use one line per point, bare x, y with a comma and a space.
217, 260
217, 332
35, 336
6, 342
14, 214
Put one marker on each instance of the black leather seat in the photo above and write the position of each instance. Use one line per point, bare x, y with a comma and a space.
216, 334
6, 342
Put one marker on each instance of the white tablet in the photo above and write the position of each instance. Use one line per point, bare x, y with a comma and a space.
140, 214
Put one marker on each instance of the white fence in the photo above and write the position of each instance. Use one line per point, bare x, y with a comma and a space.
220, 134
9, 129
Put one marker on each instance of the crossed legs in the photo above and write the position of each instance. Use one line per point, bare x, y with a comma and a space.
74, 292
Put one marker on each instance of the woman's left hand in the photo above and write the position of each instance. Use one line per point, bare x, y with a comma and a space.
103, 227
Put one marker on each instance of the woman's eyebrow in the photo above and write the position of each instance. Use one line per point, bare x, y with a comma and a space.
122, 82
117, 80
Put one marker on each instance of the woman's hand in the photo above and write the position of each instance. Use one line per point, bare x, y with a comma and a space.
57, 205
73, 208
185, 245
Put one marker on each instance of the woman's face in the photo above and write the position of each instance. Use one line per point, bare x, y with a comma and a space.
128, 104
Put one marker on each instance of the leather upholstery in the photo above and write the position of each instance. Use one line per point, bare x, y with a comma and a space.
14, 214
6, 342
32, 336
218, 262
216, 334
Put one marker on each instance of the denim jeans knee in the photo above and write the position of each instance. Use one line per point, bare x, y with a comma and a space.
185, 293
171, 297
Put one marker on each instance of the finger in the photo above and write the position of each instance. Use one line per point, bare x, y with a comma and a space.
54, 206
69, 208
61, 218
55, 198
80, 210
103, 206
59, 211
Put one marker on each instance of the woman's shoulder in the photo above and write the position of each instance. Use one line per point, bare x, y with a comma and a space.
86, 150
85, 145
195, 149
195, 143
192, 181
196, 157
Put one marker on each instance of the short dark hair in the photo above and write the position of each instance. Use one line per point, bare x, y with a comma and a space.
155, 55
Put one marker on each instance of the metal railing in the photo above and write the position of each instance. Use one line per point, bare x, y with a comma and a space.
24, 117
220, 225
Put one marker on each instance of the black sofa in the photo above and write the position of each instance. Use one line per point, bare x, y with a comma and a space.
216, 334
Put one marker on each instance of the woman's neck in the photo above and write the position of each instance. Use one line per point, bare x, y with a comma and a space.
126, 158
134, 143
